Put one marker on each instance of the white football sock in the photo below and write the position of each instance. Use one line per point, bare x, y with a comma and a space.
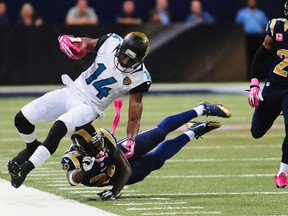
199, 110
283, 168
40, 155
190, 134
29, 138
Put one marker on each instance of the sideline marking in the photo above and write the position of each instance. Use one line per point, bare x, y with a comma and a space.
30, 201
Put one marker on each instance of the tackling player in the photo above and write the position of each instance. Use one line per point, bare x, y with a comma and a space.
94, 159
118, 69
274, 97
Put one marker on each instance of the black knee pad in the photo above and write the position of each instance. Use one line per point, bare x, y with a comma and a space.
22, 124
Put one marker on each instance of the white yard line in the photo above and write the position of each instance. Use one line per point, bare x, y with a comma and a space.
27, 201
277, 193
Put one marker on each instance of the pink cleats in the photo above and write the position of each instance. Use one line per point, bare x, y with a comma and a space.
281, 180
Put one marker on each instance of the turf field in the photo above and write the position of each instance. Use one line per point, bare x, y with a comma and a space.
225, 173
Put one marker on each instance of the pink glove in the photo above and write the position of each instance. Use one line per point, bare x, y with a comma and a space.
254, 94
67, 47
129, 144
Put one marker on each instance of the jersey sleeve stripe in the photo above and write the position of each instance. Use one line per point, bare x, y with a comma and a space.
108, 136
272, 26
285, 26
73, 159
83, 133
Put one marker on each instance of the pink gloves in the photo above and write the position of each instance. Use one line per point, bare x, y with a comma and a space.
67, 47
254, 94
129, 145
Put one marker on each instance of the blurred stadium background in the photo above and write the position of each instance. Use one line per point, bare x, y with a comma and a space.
179, 52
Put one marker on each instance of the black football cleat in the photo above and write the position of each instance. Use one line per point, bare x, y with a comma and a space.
17, 176
219, 110
200, 128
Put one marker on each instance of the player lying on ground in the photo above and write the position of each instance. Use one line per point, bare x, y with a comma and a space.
96, 159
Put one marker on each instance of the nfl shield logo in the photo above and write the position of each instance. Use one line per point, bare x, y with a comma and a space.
279, 37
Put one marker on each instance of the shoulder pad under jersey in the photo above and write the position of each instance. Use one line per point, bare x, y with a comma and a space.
279, 25
70, 161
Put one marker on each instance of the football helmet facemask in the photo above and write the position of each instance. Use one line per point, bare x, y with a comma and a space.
89, 141
131, 52
286, 9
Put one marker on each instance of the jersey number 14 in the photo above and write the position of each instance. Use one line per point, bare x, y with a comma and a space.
101, 85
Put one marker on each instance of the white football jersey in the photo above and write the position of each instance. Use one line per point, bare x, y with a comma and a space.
102, 82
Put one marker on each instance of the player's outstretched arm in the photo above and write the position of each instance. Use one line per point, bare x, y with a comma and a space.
257, 69
134, 115
133, 125
124, 173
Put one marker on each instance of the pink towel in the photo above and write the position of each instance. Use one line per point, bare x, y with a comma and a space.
117, 105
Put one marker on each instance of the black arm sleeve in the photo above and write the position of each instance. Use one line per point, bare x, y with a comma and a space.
101, 40
144, 87
259, 66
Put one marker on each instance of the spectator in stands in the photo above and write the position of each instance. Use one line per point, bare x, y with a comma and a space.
161, 14
254, 21
128, 16
252, 18
4, 19
197, 15
28, 16
82, 14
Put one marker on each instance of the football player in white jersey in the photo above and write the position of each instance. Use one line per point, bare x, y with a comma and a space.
118, 69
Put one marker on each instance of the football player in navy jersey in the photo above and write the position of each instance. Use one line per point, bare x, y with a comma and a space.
273, 99
118, 69
94, 159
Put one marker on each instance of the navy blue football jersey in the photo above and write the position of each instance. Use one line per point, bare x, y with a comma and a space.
277, 29
103, 173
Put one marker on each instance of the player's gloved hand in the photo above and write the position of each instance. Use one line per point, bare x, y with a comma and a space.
107, 195
87, 163
129, 145
100, 156
254, 94
67, 47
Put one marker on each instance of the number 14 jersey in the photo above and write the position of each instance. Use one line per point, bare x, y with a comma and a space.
102, 82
